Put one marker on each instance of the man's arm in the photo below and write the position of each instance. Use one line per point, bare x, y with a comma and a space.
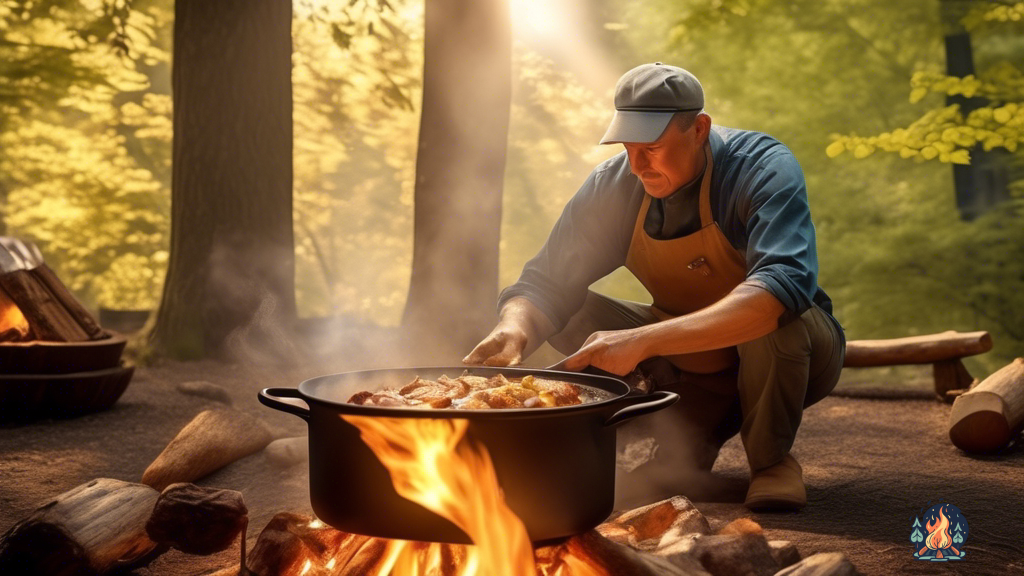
589, 241
746, 313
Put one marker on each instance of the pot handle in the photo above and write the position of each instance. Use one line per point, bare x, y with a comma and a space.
269, 397
640, 405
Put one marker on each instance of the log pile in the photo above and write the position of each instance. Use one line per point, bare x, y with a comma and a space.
669, 538
108, 525
49, 310
55, 359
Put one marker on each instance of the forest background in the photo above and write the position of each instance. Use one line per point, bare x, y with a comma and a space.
854, 87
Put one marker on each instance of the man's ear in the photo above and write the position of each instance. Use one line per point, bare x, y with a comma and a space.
702, 127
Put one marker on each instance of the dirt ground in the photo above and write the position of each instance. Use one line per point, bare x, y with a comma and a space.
870, 467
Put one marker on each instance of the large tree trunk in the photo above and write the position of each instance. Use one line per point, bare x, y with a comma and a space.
232, 264
460, 165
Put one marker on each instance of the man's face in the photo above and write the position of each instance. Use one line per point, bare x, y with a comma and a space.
672, 160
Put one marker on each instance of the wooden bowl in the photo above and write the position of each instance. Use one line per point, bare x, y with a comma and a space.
40, 357
25, 397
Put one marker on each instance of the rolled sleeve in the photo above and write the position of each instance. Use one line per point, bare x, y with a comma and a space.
588, 242
781, 254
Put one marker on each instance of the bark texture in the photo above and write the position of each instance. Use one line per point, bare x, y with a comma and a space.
232, 267
460, 166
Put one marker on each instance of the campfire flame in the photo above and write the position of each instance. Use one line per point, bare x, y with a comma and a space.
433, 464
11, 317
938, 532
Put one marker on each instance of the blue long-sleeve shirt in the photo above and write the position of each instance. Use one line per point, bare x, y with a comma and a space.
758, 198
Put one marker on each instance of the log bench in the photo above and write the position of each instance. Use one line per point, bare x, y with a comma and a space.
944, 351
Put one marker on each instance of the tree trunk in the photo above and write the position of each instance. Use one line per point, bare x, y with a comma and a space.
232, 264
460, 166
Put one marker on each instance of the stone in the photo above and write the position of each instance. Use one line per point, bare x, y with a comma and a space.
212, 440
732, 554
204, 389
197, 520
287, 452
784, 552
825, 564
654, 520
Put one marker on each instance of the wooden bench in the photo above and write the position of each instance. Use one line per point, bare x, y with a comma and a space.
943, 351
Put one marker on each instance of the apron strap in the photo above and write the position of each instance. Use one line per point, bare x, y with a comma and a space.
706, 217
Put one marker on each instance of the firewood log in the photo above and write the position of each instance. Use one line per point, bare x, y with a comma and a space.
289, 541
90, 529
991, 414
47, 278
213, 439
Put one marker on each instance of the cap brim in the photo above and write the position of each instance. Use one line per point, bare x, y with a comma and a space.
636, 126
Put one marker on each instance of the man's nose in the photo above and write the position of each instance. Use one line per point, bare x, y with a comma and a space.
638, 162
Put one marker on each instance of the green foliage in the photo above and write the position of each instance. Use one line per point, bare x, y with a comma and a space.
944, 133
87, 152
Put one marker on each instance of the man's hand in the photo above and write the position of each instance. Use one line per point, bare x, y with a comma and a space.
618, 352
522, 328
502, 347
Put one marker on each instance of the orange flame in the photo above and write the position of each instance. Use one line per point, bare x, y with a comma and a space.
938, 532
11, 316
431, 465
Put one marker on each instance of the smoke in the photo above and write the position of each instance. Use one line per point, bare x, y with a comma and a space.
662, 455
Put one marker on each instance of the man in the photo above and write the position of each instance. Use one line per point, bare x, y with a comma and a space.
715, 223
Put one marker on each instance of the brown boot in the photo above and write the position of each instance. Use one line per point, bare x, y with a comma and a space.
777, 487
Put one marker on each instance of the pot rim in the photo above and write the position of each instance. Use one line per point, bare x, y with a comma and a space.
621, 390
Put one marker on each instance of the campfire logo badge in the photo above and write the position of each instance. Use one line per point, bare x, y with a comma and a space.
942, 537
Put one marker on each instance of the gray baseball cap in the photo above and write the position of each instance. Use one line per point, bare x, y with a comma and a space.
646, 97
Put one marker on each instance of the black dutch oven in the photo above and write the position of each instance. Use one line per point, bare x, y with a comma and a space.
556, 465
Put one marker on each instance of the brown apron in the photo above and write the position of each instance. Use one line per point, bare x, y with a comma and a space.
686, 274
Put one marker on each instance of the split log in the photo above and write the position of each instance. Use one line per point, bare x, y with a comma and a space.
213, 439
90, 529
990, 415
943, 351
197, 520
67, 300
676, 516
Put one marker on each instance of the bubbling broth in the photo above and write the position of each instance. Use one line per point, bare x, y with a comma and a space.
468, 392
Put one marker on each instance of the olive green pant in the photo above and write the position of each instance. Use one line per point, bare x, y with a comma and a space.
762, 399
